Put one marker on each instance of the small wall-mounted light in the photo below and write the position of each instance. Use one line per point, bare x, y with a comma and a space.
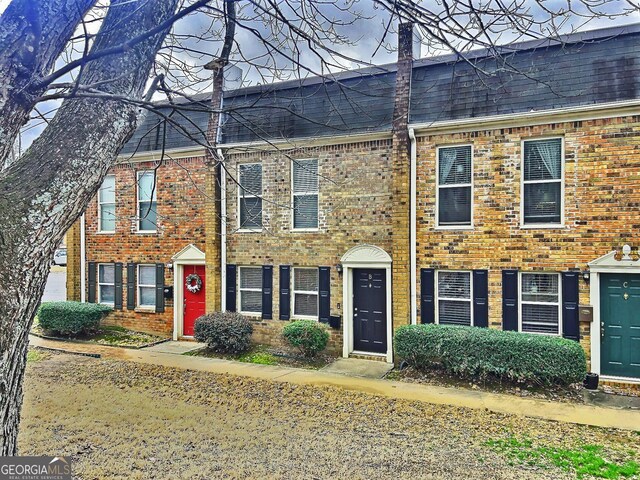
170, 266
339, 268
586, 276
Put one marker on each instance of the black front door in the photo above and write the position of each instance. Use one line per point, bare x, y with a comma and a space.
370, 310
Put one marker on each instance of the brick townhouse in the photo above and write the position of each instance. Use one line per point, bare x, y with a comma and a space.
497, 193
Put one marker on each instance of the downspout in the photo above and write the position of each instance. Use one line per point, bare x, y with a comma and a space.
223, 232
83, 260
412, 228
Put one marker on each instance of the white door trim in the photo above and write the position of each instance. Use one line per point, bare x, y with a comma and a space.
605, 264
364, 256
190, 255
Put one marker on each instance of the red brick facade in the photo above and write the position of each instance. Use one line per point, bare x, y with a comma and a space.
181, 203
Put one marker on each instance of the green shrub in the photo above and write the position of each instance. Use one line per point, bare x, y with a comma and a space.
71, 318
309, 336
226, 332
481, 352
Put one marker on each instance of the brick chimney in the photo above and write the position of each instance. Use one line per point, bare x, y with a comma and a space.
401, 158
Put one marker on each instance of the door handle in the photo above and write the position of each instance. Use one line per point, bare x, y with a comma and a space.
602, 331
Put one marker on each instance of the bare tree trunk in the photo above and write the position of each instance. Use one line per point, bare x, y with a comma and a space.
33, 34
46, 190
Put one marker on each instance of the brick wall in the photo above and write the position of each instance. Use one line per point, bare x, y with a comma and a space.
602, 171
181, 206
73, 263
355, 203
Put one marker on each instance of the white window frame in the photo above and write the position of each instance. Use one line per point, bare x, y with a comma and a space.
99, 284
100, 204
139, 286
307, 292
241, 289
438, 187
524, 225
438, 298
250, 195
139, 173
559, 303
306, 194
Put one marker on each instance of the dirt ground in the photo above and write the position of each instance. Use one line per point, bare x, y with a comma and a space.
134, 421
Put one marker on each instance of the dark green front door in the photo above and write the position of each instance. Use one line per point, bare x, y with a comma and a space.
620, 325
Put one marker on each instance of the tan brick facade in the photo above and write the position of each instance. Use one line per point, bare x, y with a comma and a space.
600, 213
355, 207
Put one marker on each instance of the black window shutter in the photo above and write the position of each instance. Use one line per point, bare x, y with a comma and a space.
427, 288
480, 298
117, 301
510, 300
267, 292
570, 293
324, 289
91, 298
231, 288
285, 292
131, 286
159, 287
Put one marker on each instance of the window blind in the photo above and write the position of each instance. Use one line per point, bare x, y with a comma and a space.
454, 185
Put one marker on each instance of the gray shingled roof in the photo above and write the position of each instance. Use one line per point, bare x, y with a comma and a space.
581, 69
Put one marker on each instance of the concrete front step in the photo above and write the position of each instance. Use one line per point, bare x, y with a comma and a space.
367, 356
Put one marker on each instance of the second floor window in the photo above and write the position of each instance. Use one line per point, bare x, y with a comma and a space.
542, 182
107, 205
454, 186
305, 194
250, 196
147, 204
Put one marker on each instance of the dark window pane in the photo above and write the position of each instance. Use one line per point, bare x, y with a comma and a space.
540, 319
454, 206
147, 215
306, 305
250, 301
251, 212
305, 211
542, 202
452, 312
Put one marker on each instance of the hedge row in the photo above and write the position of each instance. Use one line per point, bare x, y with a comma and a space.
71, 318
482, 352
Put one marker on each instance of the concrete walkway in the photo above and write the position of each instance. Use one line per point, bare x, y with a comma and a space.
356, 367
175, 347
499, 403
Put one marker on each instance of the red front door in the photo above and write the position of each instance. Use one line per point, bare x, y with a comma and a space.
194, 301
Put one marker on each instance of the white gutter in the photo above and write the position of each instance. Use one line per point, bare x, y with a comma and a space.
83, 259
223, 232
412, 228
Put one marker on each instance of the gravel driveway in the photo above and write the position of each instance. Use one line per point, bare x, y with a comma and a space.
126, 420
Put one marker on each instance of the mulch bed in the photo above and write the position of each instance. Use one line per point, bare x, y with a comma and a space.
267, 355
107, 335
